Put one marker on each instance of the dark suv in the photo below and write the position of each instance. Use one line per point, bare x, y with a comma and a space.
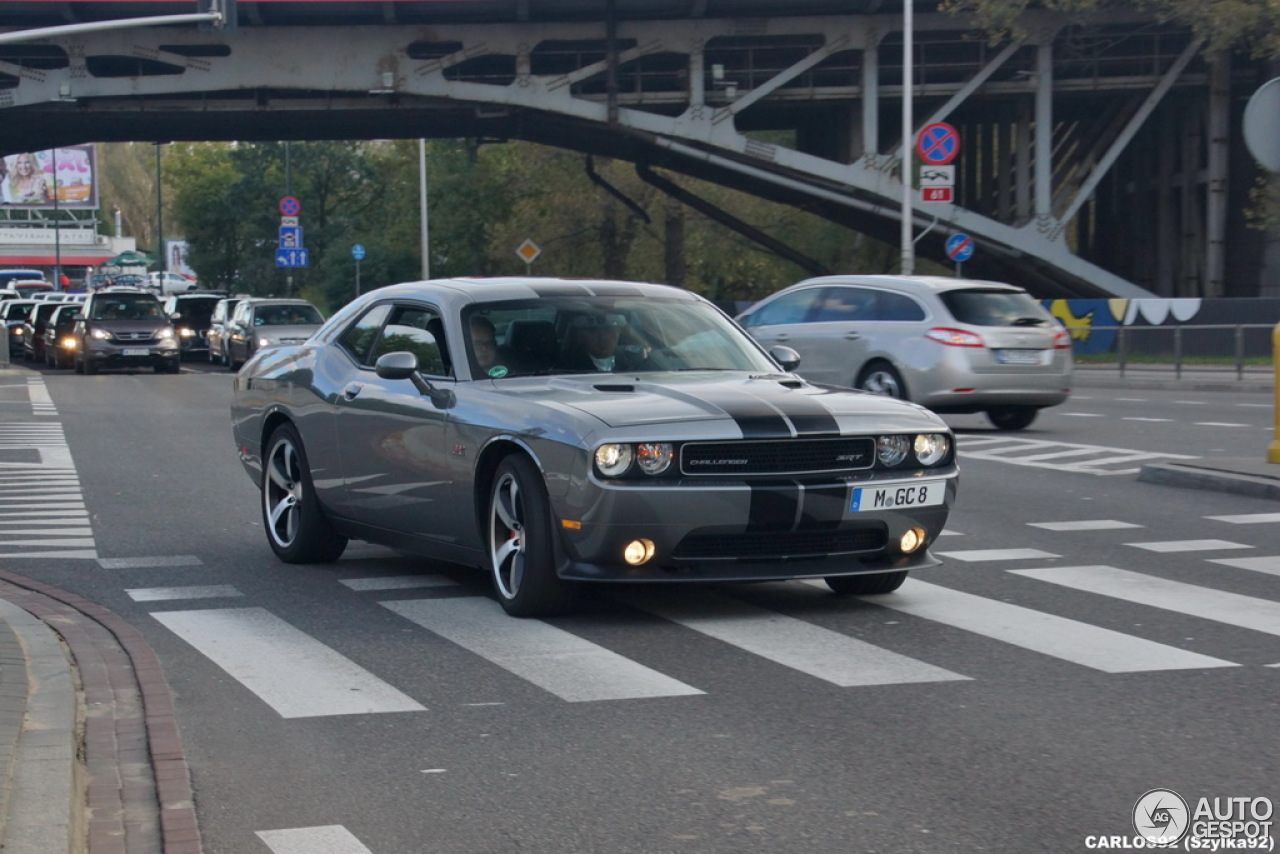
192, 315
125, 329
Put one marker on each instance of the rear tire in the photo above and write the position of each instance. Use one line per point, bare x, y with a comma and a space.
297, 528
521, 553
866, 585
883, 379
1012, 417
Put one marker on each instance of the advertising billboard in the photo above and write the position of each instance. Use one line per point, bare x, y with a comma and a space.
30, 179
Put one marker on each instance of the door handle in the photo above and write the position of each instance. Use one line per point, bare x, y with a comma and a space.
851, 336
352, 391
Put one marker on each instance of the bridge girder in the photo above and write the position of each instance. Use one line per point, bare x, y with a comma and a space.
690, 94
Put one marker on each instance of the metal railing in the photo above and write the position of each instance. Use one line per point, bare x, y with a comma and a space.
1241, 349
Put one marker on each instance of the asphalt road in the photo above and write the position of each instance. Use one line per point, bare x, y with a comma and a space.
1088, 638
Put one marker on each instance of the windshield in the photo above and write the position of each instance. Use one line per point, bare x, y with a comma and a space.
994, 308
564, 335
126, 307
287, 315
195, 312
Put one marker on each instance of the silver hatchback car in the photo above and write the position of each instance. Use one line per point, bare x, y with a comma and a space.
952, 345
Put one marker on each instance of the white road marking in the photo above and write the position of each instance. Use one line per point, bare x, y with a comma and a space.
1169, 546
1140, 418
1070, 640
162, 594
1269, 565
974, 555
330, 839
1220, 424
1084, 525
397, 582
822, 653
148, 562
1091, 459
289, 670
1231, 608
1247, 518
564, 664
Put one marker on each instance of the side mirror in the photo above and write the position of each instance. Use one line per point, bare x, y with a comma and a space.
403, 365
77, 317
786, 357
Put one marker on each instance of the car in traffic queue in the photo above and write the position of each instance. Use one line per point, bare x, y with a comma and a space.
455, 420
33, 329
124, 328
952, 345
261, 322
222, 312
59, 339
14, 313
192, 316
29, 288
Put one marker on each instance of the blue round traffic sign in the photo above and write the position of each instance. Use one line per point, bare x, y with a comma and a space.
357, 251
938, 143
960, 247
290, 206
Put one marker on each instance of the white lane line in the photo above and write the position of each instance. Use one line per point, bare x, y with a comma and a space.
1220, 424
1070, 640
1084, 525
1247, 518
1269, 565
331, 839
1169, 546
89, 554
148, 562
289, 670
49, 541
397, 582
822, 653
568, 666
1140, 418
1231, 608
163, 594
46, 531
974, 555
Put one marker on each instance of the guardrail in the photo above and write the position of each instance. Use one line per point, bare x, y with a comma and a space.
1243, 349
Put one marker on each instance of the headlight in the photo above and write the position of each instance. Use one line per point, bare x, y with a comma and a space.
100, 334
167, 332
613, 460
931, 448
68, 343
654, 457
892, 450
264, 342
186, 333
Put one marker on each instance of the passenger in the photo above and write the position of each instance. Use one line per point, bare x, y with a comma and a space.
594, 345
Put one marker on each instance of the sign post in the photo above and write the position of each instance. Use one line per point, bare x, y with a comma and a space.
357, 252
290, 252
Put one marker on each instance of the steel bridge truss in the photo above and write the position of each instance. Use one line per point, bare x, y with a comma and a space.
1081, 142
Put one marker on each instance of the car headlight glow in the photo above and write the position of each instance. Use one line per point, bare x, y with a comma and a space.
654, 457
614, 459
68, 343
186, 333
101, 334
931, 448
264, 342
167, 332
892, 450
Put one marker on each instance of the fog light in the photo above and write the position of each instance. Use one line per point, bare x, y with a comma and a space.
911, 540
638, 552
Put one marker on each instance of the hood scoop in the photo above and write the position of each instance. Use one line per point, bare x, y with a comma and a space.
616, 388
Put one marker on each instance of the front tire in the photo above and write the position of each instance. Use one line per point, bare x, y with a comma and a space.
1012, 417
521, 556
883, 379
297, 528
866, 585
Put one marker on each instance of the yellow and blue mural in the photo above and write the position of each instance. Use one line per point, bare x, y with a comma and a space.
1095, 324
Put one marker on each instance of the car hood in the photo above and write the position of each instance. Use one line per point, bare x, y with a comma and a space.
761, 405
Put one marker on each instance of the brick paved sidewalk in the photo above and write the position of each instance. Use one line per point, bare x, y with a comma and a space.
128, 775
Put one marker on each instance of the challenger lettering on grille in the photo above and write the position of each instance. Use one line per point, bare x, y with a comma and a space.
785, 456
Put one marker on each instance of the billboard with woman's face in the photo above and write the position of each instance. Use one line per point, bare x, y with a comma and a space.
31, 178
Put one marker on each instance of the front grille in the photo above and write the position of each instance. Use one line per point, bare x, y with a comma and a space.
764, 545
788, 456
134, 336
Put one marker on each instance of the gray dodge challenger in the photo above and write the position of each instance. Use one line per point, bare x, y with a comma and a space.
554, 432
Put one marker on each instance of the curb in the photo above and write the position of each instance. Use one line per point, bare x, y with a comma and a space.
137, 797
1201, 476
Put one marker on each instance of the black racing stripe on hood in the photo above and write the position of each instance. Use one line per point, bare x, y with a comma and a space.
808, 415
773, 506
824, 507
756, 419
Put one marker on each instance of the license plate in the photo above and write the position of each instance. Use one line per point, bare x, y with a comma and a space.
1018, 357
135, 351
926, 493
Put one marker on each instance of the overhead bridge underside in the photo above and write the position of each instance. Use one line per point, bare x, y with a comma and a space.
1057, 181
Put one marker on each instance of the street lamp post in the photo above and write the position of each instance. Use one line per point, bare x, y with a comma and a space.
908, 51
159, 216
57, 227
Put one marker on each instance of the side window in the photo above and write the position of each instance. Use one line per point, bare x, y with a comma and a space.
846, 304
358, 339
419, 331
788, 308
899, 307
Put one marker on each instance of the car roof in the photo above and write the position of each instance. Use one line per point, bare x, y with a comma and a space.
531, 287
933, 284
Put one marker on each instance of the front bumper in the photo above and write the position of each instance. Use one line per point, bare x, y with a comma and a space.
134, 355
745, 532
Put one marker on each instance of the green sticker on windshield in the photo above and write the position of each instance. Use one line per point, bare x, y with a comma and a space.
498, 371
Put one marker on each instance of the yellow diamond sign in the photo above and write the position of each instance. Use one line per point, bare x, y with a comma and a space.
528, 251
